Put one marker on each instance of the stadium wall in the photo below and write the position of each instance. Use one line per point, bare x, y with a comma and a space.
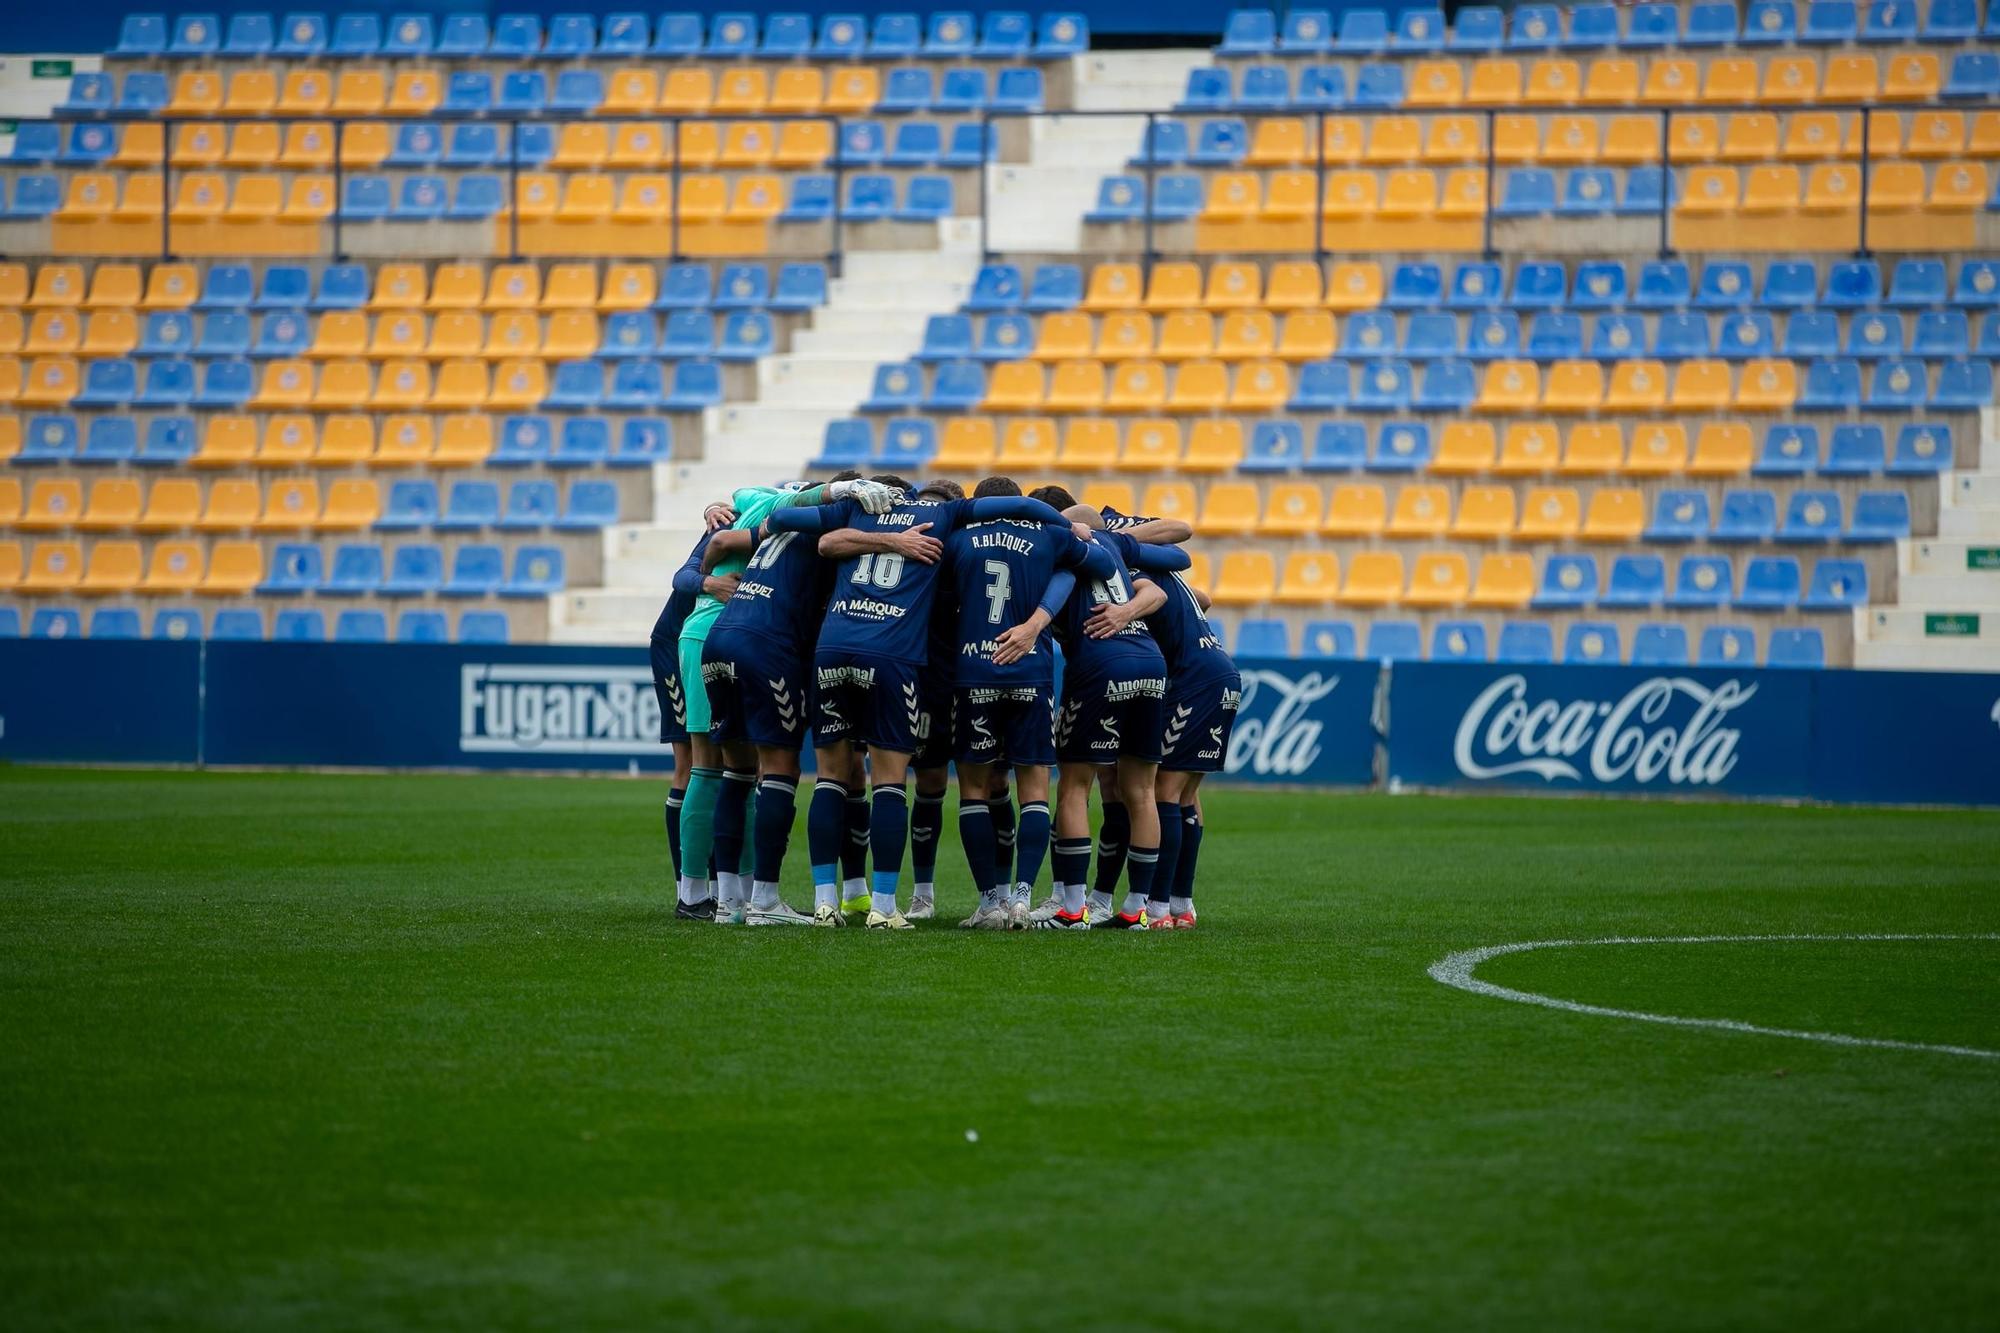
1873, 737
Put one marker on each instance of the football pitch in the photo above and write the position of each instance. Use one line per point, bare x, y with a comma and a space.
369, 1051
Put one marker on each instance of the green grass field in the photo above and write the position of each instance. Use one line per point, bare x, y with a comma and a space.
355, 1051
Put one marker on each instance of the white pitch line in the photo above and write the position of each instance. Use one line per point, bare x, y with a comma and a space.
1456, 970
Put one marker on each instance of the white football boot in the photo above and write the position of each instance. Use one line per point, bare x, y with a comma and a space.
779, 915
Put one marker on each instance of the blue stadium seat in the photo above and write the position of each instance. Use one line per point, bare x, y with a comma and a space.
1592, 643
1789, 451
224, 333
1447, 386
419, 199
1836, 585
49, 438
841, 37
1275, 446
909, 442
895, 37
1588, 192
1378, 87
1592, 27
746, 336
898, 387
410, 505
1660, 646
1567, 581
1263, 638
917, 144
1221, 143
225, 383
356, 569
195, 35
1770, 23
1725, 285
1857, 450
523, 440
1321, 88
1811, 334
848, 442
1538, 286
1965, 386
577, 92
1363, 32
641, 386
1430, 335
1415, 287
170, 440
1727, 646
1879, 516
1322, 386
483, 627
1681, 335
1893, 21
863, 143
1898, 386
786, 37
89, 94
1476, 287
361, 627
1948, 20
1555, 337
1385, 387
356, 36
732, 35
577, 384
926, 199
970, 147
36, 143
110, 440
1536, 28
408, 36
1973, 74
1458, 641
476, 571
946, 337
1338, 446
1369, 334
906, 90
538, 571
956, 386
142, 35
1796, 648
285, 287
175, 622
112, 382
1636, 581
365, 199
949, 34
628, 333
688, 333
1811, 516
1770, 583
642, 442
583, 442
1401, 446
1306, 32
142, 91
1005, 35
165, 333
523, 92
294, 567
56, 622
1478, 28
1249, 32
1395, 641
623, 35
1830, 386
469, 507
1664, 284
1942, 335
1005, 337
1055, 287
422, 627
114, 622
1528, 192
1062, 34
464, 35
282, 334
1493, 335
870, 198
1832, 23
237, 624
1853, 285
1525, 643
800, 286
1746, 516
686, 287
1922, 448
299, 625
1874, 334
1419, 29
1917, 282
1326, 638
531, 506
1264, 88
417, 144
961, 90
1745, 334
1701, 581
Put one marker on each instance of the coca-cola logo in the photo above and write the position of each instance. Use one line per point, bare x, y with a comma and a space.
1642, 737
1274, 736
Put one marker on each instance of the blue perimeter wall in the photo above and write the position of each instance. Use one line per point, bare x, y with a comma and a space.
1860, 736
85, 27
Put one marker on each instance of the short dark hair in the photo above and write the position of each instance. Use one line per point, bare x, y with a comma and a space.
1055, 497
845, 474
943, 488
892, 481
996, 486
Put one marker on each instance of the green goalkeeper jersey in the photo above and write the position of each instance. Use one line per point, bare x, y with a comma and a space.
753, 504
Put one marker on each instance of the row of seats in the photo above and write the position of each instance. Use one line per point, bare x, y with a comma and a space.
1451, 384
1486, 335
1613, 81
1561, 140
643, 199
1596, 26
450, 286
631, 91
737, 335
119, 504
1462, 448
462, 384
1001, 34
1595, 285
577, 146
360, 439
1531, 643
174, 568
1510, 579
1424, 194
294, 624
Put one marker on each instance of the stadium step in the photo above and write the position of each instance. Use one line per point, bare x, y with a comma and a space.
1917, 638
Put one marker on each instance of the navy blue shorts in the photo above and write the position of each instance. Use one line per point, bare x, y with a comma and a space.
756, 690
868, 700
1200, 715
1004, 725
934, 730
1116, 717
668, 689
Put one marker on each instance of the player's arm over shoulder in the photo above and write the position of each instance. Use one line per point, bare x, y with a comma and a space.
1149, 557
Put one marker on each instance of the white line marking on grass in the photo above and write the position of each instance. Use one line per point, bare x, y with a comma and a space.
1456, 970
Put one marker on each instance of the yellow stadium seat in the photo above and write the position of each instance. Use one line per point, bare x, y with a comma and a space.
1851, 78
285, 382
398, 287
51, 381
1896, 187
1123, 335
1593, 448
1811, 136
1174, 286
535, 195
305, 92
401, 384
1435, 83
1229, 510
289, 441
1495, 81
1341, 141
1721, 449
1959, 187
1374, 578
87, 197
1464, 447
1611, 82
348, 440
1911, 77
1453, 139
143, 144
853, 88
359, 92
1311, 578
1771, 190
1245, 578
802, 143
572, 335
1750, 137
1293, 509
630, 91
256, 199
1510, 386
1351, 196
636, 147
343, 385
251, 92
199, 197
399, 334
1710, 192
742, 88
1261, 385
234, 568
1527, 449
968, 443
1674, 81
461, 384
1658, 449
175, 567
415, 92
629, 287
1637, 387
1199, 386
748, 143
1289, 196
1833, 187
58, 331
1410, 194
1791, 80
109, 333
52, 567
1484, 513
798, 90
1549, 513
1393, 140
1506, 579
455, 333
1062, 335
197, 92
12, 331
519, 383
1278, 141
53, 505
687, 91
1090, 443
464, 441
581, 146
1169, 499
1631, 141
1439, 578
1028, 442
309, 199
1554, 82
1571, 141
1076, 386
1935, 134
1616, 514
1233, 287
1420, 511
340, 333
570, 287
1297, 285
1354, 286
291, 505
1245, 334
1215, 444
1152, 444
406, 441
585, 198
114, 285
352, 503
513, 287
1701, 386
1308, 335
644, 198
231, 440
230, 506
1360, 510
1730, 81
1517, 140
1016, 386
10, 426
1113, 494
173, 505
198, 144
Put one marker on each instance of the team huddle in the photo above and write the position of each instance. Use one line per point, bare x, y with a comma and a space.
912, 630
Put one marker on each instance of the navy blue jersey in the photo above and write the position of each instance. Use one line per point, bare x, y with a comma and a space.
997, 574
687, 589
1117, 522
783, 593
1186, 638
1088, 659
881, 603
